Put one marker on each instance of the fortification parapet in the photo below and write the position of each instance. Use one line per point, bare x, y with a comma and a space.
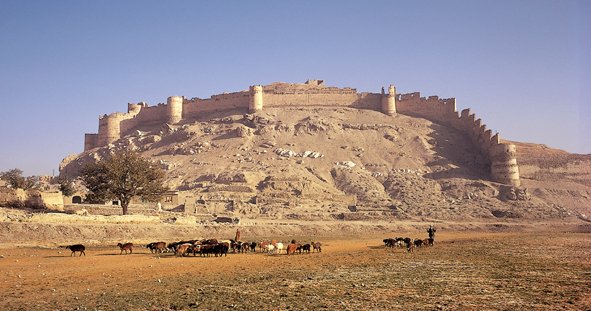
135, 108
314, 82
256, 99
174, 111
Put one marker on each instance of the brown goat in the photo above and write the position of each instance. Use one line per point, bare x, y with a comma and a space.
291, 248
127, 247
157, 247
183, 249
76, 248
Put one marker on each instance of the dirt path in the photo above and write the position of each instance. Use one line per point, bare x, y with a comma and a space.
464, 271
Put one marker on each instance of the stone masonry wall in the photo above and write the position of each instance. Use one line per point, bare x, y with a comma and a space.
500, 156
196, 107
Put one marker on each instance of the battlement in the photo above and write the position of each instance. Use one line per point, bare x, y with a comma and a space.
281, 88
314, 93
500, 156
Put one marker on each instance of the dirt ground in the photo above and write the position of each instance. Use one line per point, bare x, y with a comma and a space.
465, 270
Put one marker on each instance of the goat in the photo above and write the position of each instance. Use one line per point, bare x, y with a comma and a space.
245, 247
269, 248
127, 247
221, 249
263, 246
292, 247
418, 242
410, 247
76, 248
157, 247
279, 247
305, 248
389, 242
317, 246
183, 249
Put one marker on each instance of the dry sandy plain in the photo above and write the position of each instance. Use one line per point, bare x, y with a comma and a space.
494, 267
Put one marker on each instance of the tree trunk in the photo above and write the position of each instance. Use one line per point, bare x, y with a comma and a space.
124, 206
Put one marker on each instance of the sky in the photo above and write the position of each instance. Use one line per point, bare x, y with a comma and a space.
524, 67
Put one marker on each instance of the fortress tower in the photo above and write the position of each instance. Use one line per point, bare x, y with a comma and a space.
174, 111
503, 167
389, 101
109, 128
256, 99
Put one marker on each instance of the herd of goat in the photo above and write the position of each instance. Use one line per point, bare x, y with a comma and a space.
217, 248
409, 243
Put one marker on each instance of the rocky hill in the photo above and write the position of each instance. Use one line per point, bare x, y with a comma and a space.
347, 163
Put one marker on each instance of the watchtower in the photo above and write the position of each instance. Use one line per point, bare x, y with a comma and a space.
389, 101
256, 99
174, 111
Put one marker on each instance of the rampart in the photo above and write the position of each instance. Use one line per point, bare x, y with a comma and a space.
500, 156
313, 93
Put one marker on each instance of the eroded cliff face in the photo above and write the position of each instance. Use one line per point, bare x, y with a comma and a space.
297, 162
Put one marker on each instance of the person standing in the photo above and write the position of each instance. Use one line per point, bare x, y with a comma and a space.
237, 237
431, 232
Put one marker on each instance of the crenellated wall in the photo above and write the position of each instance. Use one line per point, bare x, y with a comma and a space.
500, 156
313, 93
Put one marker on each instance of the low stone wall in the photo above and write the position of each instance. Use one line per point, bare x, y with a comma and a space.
109, 210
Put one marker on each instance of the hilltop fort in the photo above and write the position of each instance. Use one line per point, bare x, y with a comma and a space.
499, 156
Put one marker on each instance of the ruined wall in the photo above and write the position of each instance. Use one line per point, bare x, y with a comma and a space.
196, 107
315, 93
303, 100
500, 156
141, 114
369, 101
90, 141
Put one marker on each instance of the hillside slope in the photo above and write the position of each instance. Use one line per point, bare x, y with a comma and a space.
348, 163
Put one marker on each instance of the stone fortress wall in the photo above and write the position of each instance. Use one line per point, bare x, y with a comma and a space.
313, 93
500, 155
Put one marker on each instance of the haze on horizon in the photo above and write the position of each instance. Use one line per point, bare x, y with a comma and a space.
523, 67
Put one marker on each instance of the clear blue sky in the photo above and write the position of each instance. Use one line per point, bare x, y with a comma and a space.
522, 66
